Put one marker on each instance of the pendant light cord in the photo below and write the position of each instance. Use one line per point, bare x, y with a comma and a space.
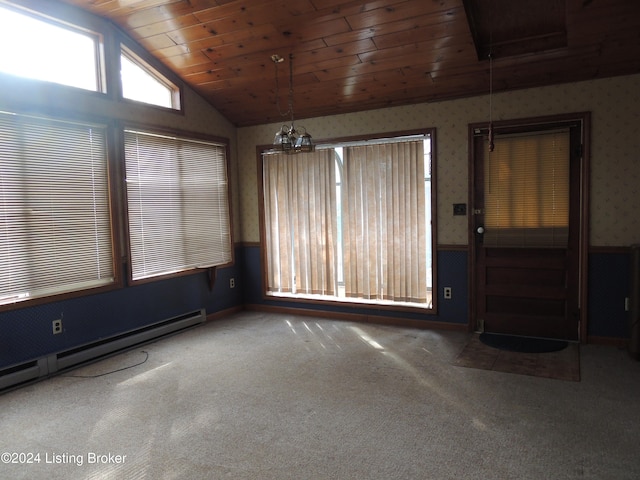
490, 87
291, 87
276, 60
491, 133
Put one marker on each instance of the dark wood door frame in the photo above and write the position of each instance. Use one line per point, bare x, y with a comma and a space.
585, 119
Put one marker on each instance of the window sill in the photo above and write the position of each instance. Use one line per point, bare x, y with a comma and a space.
350, 302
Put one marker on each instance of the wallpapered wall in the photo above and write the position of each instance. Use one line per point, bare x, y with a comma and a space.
615, 156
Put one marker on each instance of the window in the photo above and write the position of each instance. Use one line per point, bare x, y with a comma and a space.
142, 83
49, 50
351, 222
55, 226
178, 203
527, 190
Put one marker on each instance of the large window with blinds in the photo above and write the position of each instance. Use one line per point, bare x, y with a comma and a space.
177, 203
76, 188
55, 211
351, 222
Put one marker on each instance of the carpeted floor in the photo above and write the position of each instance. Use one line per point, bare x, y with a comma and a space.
275, 397
560, 365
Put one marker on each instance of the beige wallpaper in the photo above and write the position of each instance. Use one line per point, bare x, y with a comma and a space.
615, 156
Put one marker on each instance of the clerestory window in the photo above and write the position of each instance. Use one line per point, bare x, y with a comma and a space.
72, 57
143, 83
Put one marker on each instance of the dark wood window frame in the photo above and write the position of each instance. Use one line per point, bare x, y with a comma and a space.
109, 51
432, 310
62, 213
188, 136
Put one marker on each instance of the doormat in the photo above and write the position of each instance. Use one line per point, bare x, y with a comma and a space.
560, 365
522, 344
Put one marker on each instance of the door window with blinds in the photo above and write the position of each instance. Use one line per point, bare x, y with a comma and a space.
351, 222
55, 212
527, 190
177, 202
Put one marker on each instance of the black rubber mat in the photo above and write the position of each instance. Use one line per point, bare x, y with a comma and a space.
522, 344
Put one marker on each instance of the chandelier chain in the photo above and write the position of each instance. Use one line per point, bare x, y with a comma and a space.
288, 139
276, 59
291, 87
491, 132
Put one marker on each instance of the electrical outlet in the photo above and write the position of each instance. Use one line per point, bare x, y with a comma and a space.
232, 282
447, 293
56, 325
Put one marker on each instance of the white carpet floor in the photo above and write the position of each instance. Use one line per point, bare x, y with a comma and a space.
266, 396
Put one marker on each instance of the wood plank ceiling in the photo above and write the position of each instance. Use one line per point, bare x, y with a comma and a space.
358, 55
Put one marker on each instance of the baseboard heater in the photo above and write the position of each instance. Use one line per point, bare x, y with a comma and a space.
27, 372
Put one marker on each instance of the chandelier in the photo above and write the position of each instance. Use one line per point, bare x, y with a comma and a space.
288, 139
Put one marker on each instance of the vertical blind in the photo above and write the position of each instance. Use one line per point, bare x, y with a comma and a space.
370, 230
55, 228
300, 216
527, 190
178, 204
384, 225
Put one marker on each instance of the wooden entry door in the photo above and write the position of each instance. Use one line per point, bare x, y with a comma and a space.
525, 220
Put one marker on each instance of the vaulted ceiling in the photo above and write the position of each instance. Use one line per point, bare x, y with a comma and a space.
359, 55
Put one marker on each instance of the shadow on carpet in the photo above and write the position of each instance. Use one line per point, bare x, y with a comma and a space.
560, 365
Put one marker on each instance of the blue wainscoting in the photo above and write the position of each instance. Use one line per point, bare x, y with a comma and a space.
609, 277
26, 333
609, 284
452, 272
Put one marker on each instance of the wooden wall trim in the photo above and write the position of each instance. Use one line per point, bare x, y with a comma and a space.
248, 244
465, 248
609, 341
224, 313
452, 248
361, 318
439, 248
617, 342
604, 249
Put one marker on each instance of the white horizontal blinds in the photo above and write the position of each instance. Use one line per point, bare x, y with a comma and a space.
527, 191
55, 231
205, 211
178, 209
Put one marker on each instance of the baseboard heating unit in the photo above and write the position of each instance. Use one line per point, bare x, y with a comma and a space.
27, 372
